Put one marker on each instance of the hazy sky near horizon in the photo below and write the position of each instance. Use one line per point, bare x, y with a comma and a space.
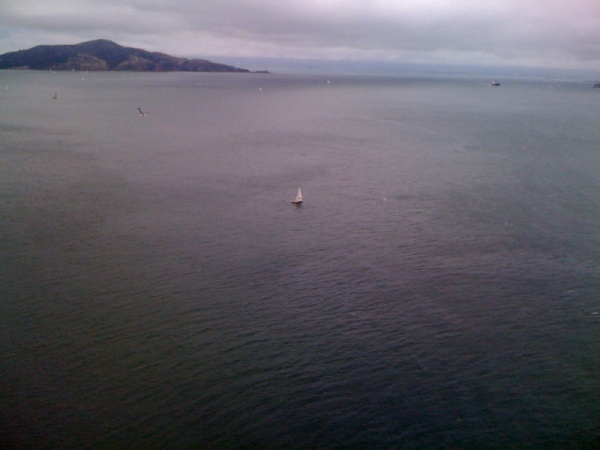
553, 33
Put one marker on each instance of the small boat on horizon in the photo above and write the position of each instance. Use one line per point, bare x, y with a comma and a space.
298, 198
495, 83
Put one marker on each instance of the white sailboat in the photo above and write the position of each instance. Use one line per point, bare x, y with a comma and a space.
298, 199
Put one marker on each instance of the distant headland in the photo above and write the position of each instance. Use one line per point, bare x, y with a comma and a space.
104, 55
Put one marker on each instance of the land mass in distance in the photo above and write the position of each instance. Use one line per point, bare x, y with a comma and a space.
103, 55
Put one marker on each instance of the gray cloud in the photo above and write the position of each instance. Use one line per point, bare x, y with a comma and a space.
532, 32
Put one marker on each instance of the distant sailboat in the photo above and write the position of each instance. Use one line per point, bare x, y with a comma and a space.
298, 199
142, 113
55, 96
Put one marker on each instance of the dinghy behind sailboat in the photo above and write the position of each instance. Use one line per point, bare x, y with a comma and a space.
298, 199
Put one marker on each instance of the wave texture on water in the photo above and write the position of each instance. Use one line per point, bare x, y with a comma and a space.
438, 288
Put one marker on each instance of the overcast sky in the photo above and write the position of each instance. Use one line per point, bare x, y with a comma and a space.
551, 33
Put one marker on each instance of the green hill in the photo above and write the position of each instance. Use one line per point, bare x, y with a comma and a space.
103, 54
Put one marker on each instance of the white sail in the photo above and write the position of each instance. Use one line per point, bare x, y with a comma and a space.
298, 198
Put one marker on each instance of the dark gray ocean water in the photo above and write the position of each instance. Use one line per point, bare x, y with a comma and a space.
439, 287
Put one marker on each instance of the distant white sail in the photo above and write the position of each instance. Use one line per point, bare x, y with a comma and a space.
298, 198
